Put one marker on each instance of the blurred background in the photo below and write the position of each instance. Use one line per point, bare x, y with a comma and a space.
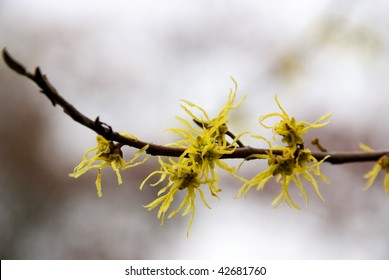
130, 62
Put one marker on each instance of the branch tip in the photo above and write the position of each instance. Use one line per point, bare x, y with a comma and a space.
13, 64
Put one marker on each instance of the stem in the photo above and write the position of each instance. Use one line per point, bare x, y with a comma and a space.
106, 131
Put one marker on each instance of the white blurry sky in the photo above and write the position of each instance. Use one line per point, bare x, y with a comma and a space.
131, 61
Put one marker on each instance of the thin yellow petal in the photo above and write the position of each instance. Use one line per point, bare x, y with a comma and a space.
365, 148
98, 183
372, 175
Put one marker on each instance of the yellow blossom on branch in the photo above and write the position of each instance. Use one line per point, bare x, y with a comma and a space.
107, 154
203, 148
207, 142
183, 175
217, 125
204, 143
289, 129
287, 168
293, 164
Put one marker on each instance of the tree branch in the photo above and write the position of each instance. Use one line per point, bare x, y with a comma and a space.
108, 133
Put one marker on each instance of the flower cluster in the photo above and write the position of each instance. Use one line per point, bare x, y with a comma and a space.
110, 154
202, 149
289, 163
203, 145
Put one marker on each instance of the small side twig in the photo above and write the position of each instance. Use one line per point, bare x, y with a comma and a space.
315, 141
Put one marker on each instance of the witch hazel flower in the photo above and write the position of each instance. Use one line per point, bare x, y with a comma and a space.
107, 154
204, 143
290, 163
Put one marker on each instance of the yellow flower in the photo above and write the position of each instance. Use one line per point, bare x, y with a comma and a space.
206, 153
217, 126
286, 168
382, 164
182, 175
107, 154
203, 145
293, 164
208, 143
289, 129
